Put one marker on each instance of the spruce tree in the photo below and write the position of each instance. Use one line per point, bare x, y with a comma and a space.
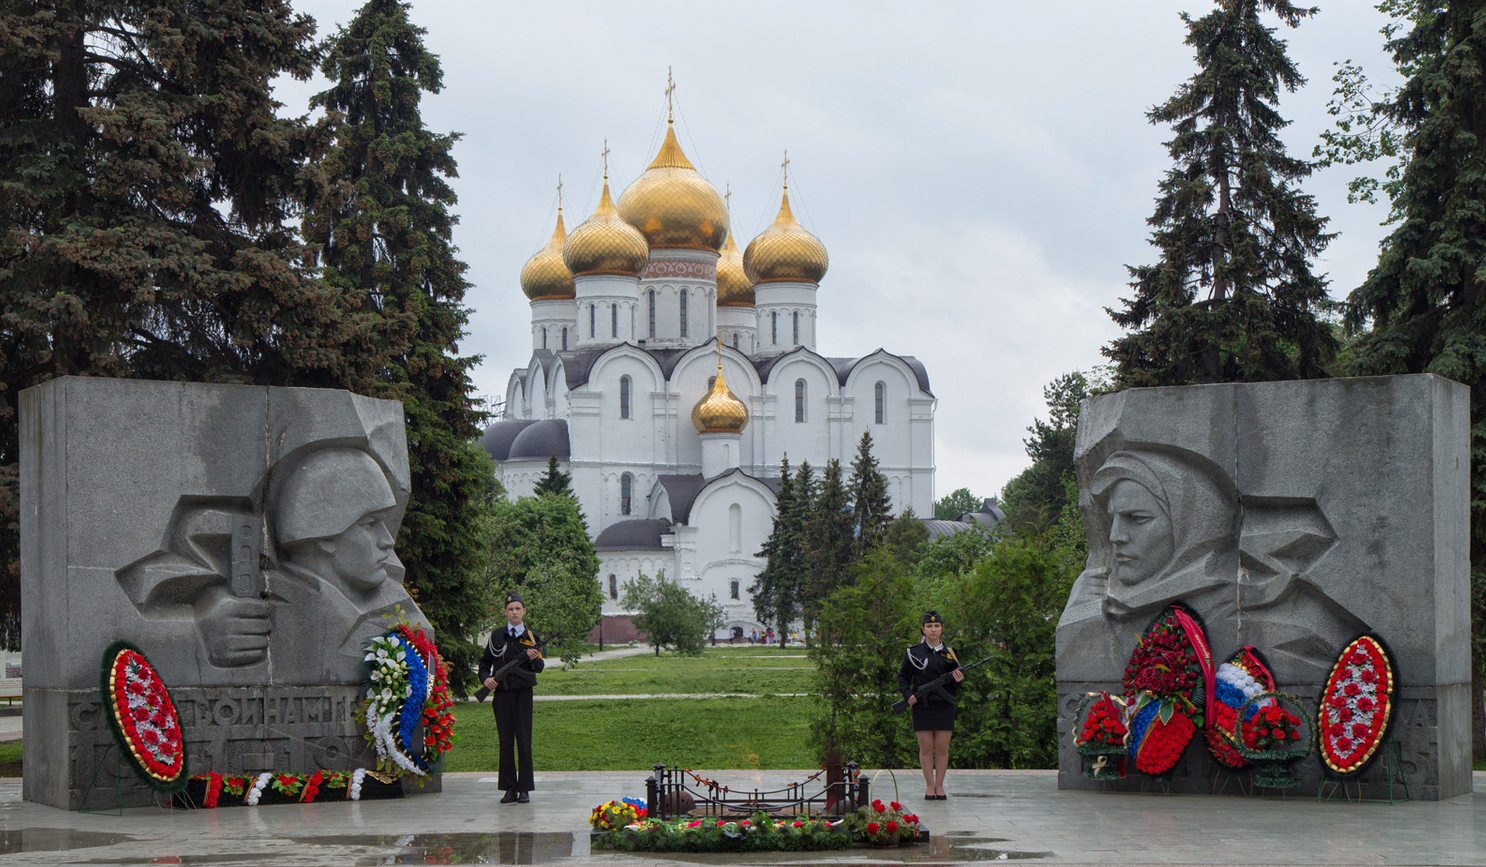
1425, 302
148, 193
774, 590
386, 237
555, 481
1232, 297
828, 542
872, 508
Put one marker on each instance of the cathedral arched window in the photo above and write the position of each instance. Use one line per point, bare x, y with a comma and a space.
624, 397
613, 320
797, 327
799, 400
733, 588
591, 314
613, 586
879, 394
774, 327
652, 312
544, 338
683, 312
564, 338
626, 486
735, 529
735, 340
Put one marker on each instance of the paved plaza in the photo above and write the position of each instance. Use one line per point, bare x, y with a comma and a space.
990, 815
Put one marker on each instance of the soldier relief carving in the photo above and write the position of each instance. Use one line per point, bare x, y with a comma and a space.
1165, 524
286, 584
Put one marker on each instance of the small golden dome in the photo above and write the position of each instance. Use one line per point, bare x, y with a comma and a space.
605, 244
785, 252
733, 286
719, 411
545, 275
672, 205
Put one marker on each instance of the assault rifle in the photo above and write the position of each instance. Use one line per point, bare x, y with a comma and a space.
506, 669
936, 684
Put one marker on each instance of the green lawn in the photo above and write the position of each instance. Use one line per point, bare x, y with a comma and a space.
746, 669
634, 734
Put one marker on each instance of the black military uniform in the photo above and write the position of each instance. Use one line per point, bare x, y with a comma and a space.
511, 702
933, 712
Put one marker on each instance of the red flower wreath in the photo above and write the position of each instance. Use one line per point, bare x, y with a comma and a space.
1356, 706
143, 717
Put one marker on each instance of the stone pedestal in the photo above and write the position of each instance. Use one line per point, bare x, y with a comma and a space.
1297, 515
183, 517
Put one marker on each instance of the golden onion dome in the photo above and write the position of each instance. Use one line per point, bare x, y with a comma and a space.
719, 411
734, 289
785, 252
672, 205
546, 275
605, 244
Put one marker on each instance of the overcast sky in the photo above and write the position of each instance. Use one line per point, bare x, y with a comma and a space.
980, 172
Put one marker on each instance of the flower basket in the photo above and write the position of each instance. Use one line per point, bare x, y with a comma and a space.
1100, 736
1275, 732
884, 825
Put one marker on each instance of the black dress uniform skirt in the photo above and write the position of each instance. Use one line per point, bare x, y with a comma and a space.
933, 716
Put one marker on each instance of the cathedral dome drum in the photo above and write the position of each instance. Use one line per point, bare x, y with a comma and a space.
719, 411
734, 289
605, 243
545, 275
672, 205
785, 252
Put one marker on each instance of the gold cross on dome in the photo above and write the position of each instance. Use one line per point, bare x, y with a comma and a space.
670, 89
784, 166
559, 192
605, 155
728, 199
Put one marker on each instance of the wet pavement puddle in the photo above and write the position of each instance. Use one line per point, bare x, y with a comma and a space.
55, 840
501, 847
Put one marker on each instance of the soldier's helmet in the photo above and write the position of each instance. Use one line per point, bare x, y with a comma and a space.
328, 492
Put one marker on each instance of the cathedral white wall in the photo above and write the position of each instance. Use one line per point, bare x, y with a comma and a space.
689, 382
520, 477
670, 274
740, 323
549, 316
625, 566
730, 522
777, 305
606, 309
903, 441
813, 438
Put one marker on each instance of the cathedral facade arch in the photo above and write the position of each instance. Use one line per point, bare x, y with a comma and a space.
904, 440
719, 558
816, 439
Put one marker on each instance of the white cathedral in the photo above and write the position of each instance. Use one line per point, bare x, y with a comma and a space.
670, 374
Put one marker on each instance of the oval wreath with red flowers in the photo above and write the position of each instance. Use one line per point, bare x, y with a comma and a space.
1168, 686
1356, 706
143, 718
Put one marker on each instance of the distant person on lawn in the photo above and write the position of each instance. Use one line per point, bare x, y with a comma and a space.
510, 698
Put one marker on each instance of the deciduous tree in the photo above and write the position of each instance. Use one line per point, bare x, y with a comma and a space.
669, 615
955, 504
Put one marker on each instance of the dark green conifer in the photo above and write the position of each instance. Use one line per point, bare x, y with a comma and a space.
1424, 304
148, 188
776, 589
828, 542
872, 508
387, 238
554, 481
1232, 298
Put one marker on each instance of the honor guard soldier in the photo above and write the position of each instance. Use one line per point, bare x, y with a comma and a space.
510, 698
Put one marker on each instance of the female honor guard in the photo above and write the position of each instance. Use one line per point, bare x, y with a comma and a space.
933, 713
510, 698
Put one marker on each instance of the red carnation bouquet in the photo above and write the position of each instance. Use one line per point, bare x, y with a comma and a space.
1273, 728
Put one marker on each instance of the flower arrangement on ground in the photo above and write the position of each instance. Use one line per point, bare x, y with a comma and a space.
1168, 686
758, 833
1275, 734
1101, 737
407, 686
209, 791
143, 718
617, 814
884, 824
1242, 677
1356, 707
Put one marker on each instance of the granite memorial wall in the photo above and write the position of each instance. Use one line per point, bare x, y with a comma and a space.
241, 536
1291, 516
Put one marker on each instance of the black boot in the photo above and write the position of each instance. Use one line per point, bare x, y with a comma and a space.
509, 797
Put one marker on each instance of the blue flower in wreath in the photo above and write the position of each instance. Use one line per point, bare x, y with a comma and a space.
412, 707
